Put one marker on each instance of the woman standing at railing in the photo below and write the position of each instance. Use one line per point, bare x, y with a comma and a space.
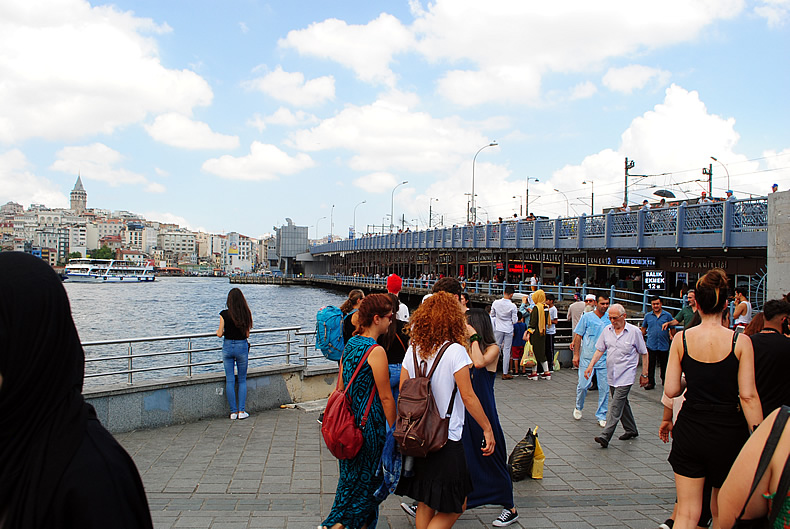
235, 324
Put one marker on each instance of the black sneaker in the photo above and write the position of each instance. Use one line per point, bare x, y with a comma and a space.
668, 523
411, 510
506, 517
320, 418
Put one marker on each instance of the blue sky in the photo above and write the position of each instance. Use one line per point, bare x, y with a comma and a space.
232, 116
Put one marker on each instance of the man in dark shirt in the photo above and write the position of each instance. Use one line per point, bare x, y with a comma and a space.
772, 357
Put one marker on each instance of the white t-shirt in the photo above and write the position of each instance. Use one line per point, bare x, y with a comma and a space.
504, 315
550, 327
454, 359
403, 312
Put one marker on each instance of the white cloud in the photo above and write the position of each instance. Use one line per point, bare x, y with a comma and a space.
778, 167
388, 136
179, 131
71, 70
19, 184
776, 12
376, 182
511, 45
366, 49
634, 77
243, 27
292, 88
583, 91
161, 172
283, 116
256, 122
677, 137
265, 162
99, 162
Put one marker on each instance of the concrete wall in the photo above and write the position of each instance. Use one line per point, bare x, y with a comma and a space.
778, 280
124, 408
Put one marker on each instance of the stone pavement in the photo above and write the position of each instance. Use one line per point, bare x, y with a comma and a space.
273, 470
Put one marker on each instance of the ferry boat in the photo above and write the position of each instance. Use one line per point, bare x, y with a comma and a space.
107, 271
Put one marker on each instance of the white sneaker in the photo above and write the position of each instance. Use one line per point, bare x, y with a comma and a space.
602, 424
243, 415
234, 416
577, 413
409, 509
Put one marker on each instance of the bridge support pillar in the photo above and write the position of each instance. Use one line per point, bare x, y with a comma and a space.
778, 280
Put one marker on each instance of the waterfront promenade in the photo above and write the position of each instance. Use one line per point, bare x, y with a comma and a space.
273, 470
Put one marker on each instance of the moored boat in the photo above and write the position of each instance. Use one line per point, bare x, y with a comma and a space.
107, 271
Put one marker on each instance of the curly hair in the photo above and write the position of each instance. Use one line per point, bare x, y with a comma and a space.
438, 319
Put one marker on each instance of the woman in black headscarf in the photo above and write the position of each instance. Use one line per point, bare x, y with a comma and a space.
59, 467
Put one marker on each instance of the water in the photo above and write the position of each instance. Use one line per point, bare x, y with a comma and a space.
176, 306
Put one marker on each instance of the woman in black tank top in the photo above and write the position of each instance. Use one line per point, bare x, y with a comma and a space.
721, 406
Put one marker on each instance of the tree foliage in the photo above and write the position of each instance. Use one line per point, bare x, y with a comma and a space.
102, 253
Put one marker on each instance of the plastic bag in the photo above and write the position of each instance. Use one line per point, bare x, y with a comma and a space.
519, 464
539, 459
528, 357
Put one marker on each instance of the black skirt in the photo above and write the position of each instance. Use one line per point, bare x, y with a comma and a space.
441, 480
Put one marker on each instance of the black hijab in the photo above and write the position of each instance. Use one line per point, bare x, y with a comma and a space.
42, 413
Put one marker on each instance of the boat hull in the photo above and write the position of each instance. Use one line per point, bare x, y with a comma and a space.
79, 278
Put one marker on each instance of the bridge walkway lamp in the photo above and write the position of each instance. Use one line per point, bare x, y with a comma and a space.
355, 217
392, 205
472, 210
526, 206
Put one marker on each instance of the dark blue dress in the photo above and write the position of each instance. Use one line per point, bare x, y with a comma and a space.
355, 505
490, 477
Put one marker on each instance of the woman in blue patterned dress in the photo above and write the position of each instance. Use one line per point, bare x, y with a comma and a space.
355, 507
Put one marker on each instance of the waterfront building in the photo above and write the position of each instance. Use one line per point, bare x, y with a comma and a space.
291, 241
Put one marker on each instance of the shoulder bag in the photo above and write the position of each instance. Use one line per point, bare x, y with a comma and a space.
339, 428
766, 522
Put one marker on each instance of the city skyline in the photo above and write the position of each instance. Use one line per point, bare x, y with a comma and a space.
226, 118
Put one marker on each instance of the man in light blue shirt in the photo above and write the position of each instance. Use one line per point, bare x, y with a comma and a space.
585, 336
658, 340
622, 343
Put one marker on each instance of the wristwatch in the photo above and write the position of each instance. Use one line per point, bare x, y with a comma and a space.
643, 376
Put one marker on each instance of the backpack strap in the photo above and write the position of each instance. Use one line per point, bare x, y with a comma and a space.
372, 390
734, 339
781, 494
359, 366
430, 374
765, 457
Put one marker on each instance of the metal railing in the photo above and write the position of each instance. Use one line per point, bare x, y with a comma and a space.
194, 353
732, 223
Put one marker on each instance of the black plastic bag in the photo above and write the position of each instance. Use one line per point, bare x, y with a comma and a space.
519, 464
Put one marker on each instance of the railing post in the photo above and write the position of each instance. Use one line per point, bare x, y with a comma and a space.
559, 291
681, 220
189, 357
644, 302
727, 223
288, 347
490, 284
581, 227
612, 297
584, 290
608, 228
129, 363
640, 227
305, 346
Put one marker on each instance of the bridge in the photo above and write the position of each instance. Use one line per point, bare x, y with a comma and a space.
720, 225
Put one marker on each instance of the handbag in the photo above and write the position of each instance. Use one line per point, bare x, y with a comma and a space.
528, 358
339, 428
419, 428
766, 522
521, 459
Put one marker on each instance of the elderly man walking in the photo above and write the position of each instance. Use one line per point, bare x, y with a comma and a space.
622, 343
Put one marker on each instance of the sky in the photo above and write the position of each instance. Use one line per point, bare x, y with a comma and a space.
234, 116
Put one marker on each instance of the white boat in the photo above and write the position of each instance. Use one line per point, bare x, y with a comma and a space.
107, 271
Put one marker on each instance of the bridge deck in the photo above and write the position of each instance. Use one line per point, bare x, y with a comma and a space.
273, 471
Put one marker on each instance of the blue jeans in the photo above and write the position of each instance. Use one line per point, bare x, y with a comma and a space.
584, 385
234, 354
395, 380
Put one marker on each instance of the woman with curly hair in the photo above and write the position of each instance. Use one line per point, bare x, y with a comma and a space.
441, 481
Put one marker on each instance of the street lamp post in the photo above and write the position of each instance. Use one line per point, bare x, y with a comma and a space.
592, 196
392, 205
472, 210
567, 202
526, 207
520, 214
332, 223
355, 217
430, 211
725, 170
316, 226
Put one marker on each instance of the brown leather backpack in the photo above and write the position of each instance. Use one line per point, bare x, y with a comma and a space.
419, 428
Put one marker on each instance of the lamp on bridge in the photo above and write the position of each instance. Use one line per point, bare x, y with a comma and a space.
472, 210
355, 217
567, 202
592, 196
392, 205
725, 170
526, 207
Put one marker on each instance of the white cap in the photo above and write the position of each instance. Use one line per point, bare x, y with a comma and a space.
589, 297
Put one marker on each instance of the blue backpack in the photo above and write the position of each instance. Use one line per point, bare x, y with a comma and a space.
329, 332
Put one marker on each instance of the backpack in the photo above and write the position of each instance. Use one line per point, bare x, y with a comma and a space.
339, 428
419, 429
329, 332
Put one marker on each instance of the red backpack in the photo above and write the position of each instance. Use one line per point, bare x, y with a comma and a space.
341, 434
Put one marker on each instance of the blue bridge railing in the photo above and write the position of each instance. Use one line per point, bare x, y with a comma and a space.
728, 224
